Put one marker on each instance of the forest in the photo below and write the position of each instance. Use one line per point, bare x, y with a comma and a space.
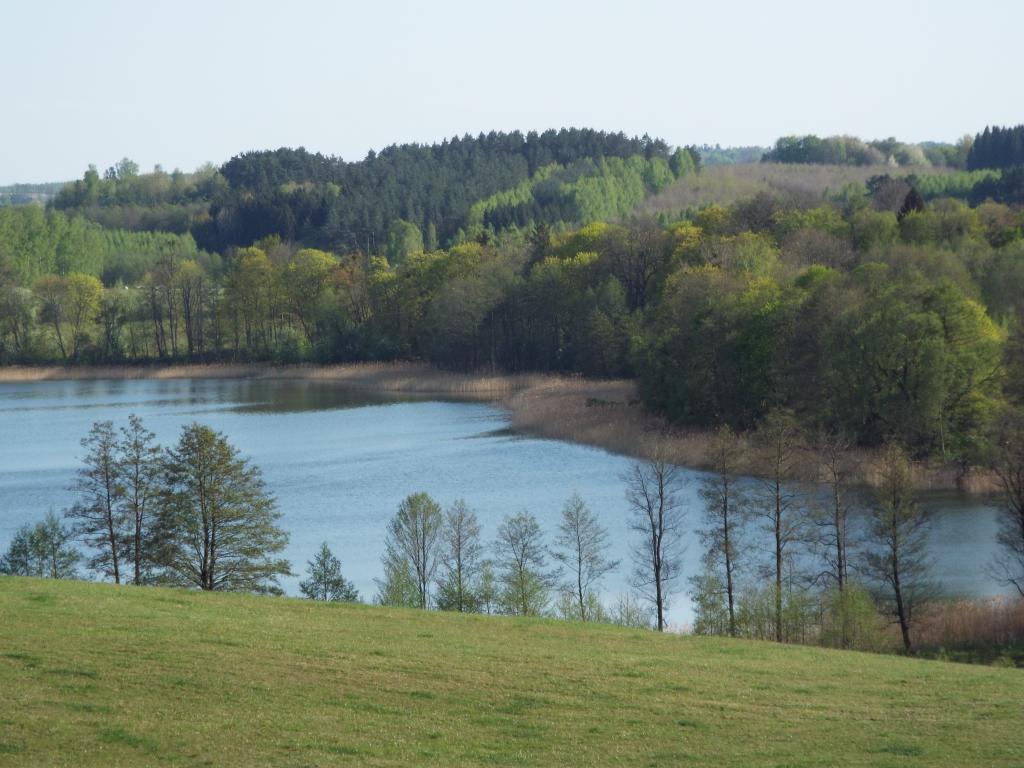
888, 310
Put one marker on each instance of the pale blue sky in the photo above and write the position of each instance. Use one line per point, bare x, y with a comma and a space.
181, 83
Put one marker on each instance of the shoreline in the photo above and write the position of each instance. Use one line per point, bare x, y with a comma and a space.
604, 414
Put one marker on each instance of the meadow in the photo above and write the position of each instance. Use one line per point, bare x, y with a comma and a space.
95, 675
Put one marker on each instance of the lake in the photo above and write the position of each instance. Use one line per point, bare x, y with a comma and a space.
339, 462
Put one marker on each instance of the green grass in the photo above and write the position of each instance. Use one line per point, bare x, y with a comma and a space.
97, 675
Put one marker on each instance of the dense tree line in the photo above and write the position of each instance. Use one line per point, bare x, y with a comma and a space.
997, 147
849, 150
880, 315
328, 203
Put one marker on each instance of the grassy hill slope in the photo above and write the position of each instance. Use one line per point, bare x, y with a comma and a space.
97, 675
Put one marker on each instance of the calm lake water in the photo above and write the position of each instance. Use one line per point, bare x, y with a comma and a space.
339, 462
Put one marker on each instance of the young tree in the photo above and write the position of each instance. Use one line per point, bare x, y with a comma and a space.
398, 588
413, 537
325, 581
1008, 464
98, 516
895, 556
629, 611
525, 580
582, 547
41, 550
138, 466
487, 589
657, 514
461, 556
778, 438
217, 523
725, 511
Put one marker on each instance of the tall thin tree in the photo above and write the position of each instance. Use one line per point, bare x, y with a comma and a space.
139, 465
413, 537
657, 514
461, 556
778, 437
97, 515
725, 511
838, 472
582, 547
1007, 463
895, 558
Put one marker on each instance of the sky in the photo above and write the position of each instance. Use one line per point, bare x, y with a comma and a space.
183, 83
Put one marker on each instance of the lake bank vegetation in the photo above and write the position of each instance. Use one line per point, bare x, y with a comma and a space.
888, 309
832, 564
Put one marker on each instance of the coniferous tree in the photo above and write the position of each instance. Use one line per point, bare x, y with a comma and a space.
326, 581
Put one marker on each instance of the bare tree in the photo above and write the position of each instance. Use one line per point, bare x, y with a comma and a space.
139, 465
896, 539
582, 548
725, 511
657, 515
413, 537
1008, 464
838, 471
460, 559
778, 437
97, 515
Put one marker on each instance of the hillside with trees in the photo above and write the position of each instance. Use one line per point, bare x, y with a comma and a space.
887, 307
325, 202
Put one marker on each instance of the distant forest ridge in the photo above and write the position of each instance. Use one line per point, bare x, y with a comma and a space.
571, 176
574, 175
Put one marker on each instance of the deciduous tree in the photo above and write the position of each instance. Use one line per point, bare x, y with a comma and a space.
582, 547
218, 524
656, 515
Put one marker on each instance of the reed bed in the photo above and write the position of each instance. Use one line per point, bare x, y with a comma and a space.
976, 625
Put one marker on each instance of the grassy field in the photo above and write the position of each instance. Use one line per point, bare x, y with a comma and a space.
97, 675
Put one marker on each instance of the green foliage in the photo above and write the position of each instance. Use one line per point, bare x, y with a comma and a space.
43, 550
458, 690
404, 239
850, 619
521, 558
217, 524
326, 581
411, 548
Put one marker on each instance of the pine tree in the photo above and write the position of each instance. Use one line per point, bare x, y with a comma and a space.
325, 580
